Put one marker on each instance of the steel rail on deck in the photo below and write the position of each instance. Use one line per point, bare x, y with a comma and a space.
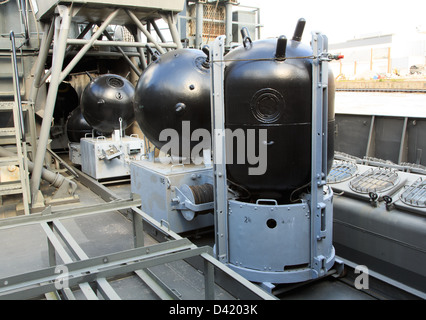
90, 275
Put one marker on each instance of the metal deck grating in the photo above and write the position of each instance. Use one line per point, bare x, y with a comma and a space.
415, 194
374, 180
341, 170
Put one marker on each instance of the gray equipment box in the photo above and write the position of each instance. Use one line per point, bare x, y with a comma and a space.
156, 183
103, 158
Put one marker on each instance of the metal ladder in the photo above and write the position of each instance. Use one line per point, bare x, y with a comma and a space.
17, 135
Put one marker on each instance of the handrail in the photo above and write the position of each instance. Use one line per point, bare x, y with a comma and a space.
17, 86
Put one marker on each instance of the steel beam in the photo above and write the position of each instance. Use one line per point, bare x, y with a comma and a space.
32, 284
171, 21
219, 149
156, 285
129, 62
108, 43
38, 72
49, 215
145, 32
318, 147
88, 45
98, 269
56, 247
102, 284
199, 11
63, 23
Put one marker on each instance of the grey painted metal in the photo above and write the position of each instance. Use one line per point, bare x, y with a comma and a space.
219, 149
103, 192
158, 31
383, 39
17, 89
227, 278
19, 132
126, 58
48, 30
320, 230
105, 43
228, 23
270, 243
404, 179
170, 18
281, 236
45, 8
56, 247
59, 48
67, 52
46, 40
252, 290
11, 17
102, 284
87, 46
199, 13
91, 270
403, 145
397, 229
98, 269
88, 270
54, 178
98, 162
159, 196
145, 31
208, 280
370, 144
142, 59
156, 285
138, 233
48, 214
389, 242
391, 138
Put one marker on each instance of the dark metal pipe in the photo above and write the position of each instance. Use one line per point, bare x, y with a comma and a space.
298, 32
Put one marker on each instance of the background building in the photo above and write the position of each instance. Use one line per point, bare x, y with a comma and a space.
381, 55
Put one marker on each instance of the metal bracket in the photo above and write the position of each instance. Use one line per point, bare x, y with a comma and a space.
325, 56
110, 153
219, 149
319, 143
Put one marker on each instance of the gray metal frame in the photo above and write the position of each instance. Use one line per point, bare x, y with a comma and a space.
61, 25
319, 146
91, 274
219, 147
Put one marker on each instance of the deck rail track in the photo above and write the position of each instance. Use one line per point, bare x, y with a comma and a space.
91, 275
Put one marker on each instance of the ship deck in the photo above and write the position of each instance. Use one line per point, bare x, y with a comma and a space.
96, 238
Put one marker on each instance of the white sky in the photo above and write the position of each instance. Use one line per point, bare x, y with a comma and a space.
339, 20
